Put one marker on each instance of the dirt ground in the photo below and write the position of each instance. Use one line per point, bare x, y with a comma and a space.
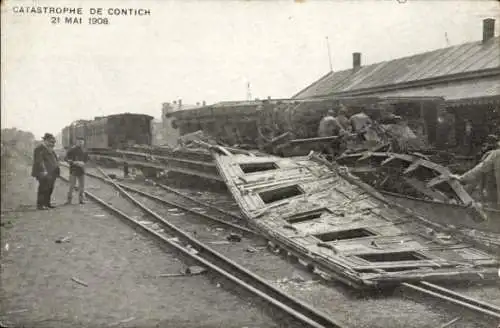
103, 275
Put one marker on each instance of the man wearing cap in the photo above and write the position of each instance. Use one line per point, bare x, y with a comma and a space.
360, 122
342, 118
76, 157
46, 170
329, 127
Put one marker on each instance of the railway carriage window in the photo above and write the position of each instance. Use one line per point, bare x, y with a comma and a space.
278, 194
258, 167
392, 257
307, 216
344, 234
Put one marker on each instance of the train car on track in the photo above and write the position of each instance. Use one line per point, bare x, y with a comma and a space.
66, 136
73, 131
110, 132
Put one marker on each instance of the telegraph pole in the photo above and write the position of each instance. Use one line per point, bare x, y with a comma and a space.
329, 54
249, 92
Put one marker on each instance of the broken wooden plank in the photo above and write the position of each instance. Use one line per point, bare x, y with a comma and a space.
423, 189
413, 166
388, 160
437, 180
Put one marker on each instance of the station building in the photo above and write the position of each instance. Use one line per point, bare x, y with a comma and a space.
467, 76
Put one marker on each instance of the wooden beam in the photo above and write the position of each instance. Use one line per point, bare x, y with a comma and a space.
413, 166
388, 160
365, 156
438, 180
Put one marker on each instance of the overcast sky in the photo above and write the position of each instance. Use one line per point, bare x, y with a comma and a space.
205, 50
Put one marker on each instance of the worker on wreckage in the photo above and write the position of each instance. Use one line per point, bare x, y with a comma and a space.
329, 126
364, 129
487, 174
342, 118
358, 128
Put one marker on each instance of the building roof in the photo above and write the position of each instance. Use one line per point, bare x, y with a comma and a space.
456, 61
460, 93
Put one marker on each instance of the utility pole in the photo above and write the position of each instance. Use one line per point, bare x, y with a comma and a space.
329, 54
446, 38
249, 92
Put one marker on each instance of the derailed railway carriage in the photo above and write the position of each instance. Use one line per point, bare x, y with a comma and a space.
110, 132
257, 123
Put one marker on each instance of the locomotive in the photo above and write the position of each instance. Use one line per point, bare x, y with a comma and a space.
110, 132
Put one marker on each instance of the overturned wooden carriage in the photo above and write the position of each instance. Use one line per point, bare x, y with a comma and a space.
337, 224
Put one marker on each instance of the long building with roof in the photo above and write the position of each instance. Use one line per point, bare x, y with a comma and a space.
467, 76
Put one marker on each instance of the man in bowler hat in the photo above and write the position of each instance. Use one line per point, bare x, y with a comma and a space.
46, 170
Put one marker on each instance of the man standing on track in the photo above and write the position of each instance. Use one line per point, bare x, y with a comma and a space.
46, 170
76, 157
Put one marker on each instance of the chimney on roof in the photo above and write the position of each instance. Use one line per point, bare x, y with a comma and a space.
180, 103
488, 29
204, 103
356, 60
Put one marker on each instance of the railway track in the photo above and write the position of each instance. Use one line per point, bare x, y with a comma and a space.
198, 252
455, 298
189, 204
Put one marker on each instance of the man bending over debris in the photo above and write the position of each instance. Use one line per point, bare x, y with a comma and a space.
46, 170
329, 126
490, 166
76, 157
342, 118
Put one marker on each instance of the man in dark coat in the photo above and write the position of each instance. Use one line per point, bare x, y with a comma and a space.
46, 170
76, 157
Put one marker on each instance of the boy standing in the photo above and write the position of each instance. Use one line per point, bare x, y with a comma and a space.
76, 157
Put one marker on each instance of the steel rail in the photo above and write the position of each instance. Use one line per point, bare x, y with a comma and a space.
454, 298
187, 209
430, 201
194, 200
479, 303
183, 207
225, 267
421, 286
